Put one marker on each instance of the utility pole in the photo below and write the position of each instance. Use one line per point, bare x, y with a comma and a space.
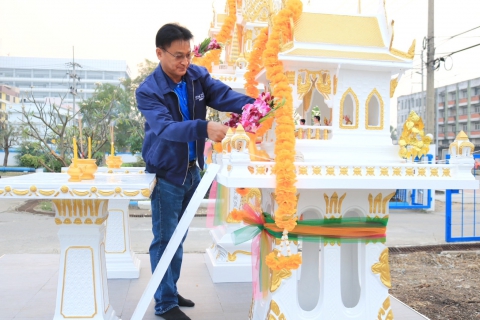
430, 128
73, 91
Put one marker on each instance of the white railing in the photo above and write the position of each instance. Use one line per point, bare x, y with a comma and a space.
405, 170
313, 132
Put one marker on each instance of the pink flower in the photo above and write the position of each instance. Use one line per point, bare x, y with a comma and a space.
196, 51
253, 113
213, 45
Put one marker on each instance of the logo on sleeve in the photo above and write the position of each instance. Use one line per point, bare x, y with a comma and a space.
200, 97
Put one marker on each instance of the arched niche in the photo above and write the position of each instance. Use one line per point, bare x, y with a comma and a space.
374, 111
350, 270
308, 291
349, 107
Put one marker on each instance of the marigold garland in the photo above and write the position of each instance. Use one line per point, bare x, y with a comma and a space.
242, 191
277, 263
255, 63
237, 215
222, 37
285, 216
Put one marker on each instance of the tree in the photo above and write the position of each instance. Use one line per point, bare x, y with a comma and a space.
53, 125
9, 135
48, 125
130, 120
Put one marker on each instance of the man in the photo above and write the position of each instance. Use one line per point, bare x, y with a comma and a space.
173, 100
316, 121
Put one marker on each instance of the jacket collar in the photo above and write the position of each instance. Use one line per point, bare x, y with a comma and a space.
159, 75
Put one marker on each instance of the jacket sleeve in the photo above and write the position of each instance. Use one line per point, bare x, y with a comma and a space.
161, 122
221, 97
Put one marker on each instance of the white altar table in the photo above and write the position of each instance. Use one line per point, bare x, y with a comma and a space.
81, 209
120, 259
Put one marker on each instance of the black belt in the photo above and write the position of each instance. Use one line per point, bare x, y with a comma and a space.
192, 164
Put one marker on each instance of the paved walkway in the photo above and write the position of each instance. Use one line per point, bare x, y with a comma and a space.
38, 273
35, 233
36, 268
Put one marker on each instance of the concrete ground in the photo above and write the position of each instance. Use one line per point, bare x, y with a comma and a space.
24, 232
27, 237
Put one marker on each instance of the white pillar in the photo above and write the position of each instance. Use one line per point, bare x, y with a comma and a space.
121, 260
82, 290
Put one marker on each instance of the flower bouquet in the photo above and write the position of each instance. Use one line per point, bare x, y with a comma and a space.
206, 45
257, 117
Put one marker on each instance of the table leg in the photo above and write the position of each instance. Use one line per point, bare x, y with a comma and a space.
82, 290
121, 260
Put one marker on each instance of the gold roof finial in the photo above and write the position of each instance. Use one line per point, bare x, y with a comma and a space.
461, 136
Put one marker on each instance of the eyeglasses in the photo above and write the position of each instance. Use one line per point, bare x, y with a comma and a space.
180, 56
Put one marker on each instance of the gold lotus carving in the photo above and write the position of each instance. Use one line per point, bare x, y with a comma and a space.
317, 170
233, 256
357, 171
383, 269
385, 312
330, 171
370, 171
277, 277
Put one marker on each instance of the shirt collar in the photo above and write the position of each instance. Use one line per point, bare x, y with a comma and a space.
171, 83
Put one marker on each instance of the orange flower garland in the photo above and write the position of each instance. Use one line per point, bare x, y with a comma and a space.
242, 191
285, 216
255, 63
225, 33
237, 215
277, 263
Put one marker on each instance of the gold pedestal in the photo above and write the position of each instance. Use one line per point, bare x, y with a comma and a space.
89, 167
114, 162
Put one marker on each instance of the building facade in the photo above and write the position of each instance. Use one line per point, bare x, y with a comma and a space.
457, 108
8, 95
53, 77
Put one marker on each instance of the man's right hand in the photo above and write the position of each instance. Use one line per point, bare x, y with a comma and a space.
216, 131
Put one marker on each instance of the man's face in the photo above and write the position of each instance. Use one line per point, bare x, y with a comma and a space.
175, 59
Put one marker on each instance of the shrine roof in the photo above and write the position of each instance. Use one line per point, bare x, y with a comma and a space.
338, 29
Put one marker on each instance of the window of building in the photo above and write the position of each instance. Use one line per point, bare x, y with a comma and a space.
349, 110
451, 96
477, 109
41, 84
94, 75
23, 73
442, 97
441, 113
476, 91
41, 73
464, 127
374, 108
59, 85
451, 112
23, 84
110, 75
477, 126
463, 94
59, 74
6, 72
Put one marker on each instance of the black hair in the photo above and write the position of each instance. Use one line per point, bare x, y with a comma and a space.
171, 32
302, 121
317, 117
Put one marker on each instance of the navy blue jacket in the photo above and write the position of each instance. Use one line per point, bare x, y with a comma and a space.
165, 148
